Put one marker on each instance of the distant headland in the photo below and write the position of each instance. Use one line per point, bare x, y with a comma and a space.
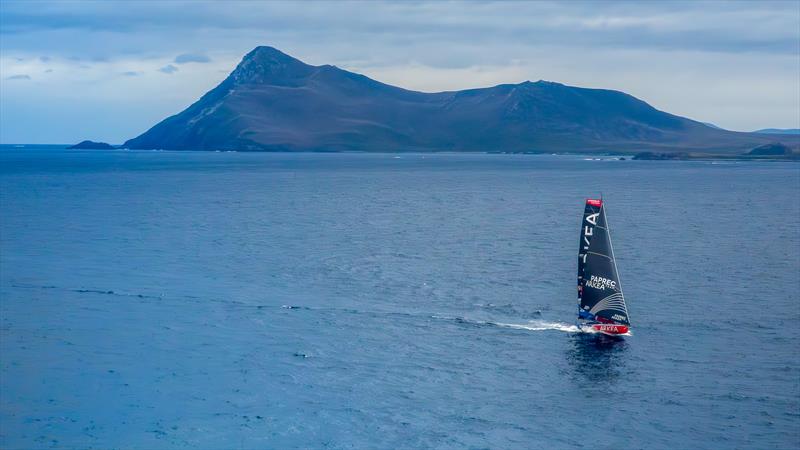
274, 102
91, 145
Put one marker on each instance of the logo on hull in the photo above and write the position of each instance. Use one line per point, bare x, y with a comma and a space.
612, 329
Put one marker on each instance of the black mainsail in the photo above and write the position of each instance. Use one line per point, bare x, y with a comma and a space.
600, 296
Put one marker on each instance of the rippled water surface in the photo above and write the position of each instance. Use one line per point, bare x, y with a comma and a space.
228, 300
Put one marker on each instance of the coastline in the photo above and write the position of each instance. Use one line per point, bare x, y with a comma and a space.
624, 156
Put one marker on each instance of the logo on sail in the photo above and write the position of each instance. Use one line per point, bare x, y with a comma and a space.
587, 232
601, 283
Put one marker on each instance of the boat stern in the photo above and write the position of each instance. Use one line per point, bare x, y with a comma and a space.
611, 329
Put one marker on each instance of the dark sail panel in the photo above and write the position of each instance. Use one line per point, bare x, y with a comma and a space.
599, 292
591, 215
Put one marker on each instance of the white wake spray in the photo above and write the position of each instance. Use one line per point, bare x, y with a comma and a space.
541, 325
531, 325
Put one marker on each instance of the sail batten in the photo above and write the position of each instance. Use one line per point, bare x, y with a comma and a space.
600, 294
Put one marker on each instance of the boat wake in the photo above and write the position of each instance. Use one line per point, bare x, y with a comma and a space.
541, 325
531, 325
538, 325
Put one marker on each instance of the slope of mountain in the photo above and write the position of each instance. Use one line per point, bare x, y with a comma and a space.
779, 131
273, 102
773, 149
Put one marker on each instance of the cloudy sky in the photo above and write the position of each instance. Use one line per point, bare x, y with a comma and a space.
110, 70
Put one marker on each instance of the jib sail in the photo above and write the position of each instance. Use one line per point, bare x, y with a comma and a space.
599, 292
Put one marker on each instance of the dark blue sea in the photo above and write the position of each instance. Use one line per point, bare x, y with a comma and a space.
159, 300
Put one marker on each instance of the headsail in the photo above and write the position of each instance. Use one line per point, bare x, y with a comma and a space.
599, 292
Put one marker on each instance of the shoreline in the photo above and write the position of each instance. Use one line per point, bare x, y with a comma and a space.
626, 156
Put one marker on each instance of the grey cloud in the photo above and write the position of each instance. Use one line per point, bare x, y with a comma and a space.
191, 58
131, 74
168, 69
696, 26
19, 77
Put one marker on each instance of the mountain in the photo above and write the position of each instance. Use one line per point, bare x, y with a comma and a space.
274, 102
778, 131
91, 145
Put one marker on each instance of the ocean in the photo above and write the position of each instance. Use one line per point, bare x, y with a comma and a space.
210, 300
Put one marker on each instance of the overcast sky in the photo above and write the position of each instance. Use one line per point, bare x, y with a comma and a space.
110, 70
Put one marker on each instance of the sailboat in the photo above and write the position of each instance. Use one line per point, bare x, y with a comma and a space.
601, 305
